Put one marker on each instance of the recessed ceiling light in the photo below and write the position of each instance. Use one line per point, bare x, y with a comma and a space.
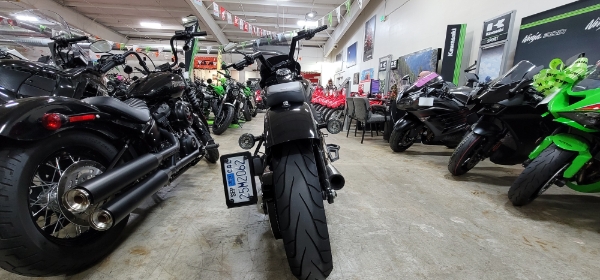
27, 18
151, 24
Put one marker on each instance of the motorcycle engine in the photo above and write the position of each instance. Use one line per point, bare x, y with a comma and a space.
161, 114
182, 116
188, 144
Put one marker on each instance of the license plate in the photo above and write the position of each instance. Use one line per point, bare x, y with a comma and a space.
238, 179
425, 101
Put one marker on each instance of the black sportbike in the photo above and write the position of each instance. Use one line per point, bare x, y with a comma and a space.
295, 170
431, 112
71, 171
511, 122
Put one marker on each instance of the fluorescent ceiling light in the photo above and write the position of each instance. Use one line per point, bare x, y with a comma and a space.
151, 24
307, 23
27, 18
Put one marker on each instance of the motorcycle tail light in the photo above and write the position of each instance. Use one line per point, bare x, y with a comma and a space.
82, 118
52, 121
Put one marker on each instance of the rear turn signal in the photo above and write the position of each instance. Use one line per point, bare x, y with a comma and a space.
52, 121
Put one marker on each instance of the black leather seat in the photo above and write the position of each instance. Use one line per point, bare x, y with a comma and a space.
132, 109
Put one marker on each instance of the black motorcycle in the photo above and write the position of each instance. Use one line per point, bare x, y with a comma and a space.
295, 170
231, 108
68, 75
431, 112
510, 124
73, 170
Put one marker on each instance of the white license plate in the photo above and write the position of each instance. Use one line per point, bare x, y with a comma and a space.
238, 179
426, 101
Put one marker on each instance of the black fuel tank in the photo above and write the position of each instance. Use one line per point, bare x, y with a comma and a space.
157, 86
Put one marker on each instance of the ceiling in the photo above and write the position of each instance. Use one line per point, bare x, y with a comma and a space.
271, 15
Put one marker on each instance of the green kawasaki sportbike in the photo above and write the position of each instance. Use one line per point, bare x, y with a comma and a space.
571, 155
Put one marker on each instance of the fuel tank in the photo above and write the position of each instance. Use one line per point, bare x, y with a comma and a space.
158, 86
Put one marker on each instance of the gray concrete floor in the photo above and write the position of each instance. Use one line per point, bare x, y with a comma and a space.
400, 216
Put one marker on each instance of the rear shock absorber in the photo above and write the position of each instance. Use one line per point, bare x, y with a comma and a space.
191, 95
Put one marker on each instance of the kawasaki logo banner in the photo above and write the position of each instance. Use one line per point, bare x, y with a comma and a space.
453, 52
560, 33
496, 29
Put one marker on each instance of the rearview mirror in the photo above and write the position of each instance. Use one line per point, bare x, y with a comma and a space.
406, 78
230, 47
190, 20
101, 46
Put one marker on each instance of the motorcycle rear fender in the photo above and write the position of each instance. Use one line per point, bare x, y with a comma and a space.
289, 124
21, 120
568, 142
486, 128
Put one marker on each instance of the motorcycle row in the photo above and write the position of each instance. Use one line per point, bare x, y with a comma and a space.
546, 119
82, 148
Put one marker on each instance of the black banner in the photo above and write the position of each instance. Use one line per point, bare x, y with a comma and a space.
561, 33
453, 52
496, 29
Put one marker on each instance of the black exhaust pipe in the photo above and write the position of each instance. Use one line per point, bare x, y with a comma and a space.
101, 187
118, 208
336, 180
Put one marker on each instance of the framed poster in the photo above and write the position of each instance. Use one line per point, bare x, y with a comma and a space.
355, 80
351, 55
369, 39
367, 75
338, 62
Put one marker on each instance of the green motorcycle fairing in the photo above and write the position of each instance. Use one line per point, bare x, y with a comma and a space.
578, 107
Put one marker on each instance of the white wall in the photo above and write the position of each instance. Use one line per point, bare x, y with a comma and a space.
421, 24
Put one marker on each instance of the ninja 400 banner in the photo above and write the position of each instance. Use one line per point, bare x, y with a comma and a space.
561, 33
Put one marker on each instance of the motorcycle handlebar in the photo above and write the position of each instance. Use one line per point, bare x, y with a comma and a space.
120, 59
76, 39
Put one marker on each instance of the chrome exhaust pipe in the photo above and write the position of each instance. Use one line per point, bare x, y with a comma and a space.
115, 210
336, 180
101, 187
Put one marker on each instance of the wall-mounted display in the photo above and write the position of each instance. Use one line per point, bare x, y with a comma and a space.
367, 75
351, 55
453, 52
355, 79
574, 30
205, 62
383, 65
412, 64
369, 38
494, 46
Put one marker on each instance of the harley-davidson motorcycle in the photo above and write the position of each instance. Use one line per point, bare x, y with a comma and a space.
511, 122
431, 112
295, 170
73, 170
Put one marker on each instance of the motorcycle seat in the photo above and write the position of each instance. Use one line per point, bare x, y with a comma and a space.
132, 109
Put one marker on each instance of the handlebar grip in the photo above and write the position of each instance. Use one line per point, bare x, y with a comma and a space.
320, 28
77, 39
109, 65
200, 33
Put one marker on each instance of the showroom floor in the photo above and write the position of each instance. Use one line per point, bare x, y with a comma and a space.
400, 216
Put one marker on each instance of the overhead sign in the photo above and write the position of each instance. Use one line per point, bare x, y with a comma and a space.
496, 29
205, 62
453, 52
560, 33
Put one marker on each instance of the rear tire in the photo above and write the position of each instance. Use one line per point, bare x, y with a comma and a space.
465, 151
246, 111
398, 141
540, 172
25, 249
301, 213
220, 127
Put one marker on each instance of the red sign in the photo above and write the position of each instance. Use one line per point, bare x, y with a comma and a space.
236, 21
223, 13
205, 62
246, 26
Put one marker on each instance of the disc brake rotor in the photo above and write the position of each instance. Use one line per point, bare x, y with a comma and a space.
75, 174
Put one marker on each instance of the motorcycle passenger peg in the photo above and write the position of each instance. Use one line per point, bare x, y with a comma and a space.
334, 126
246, 141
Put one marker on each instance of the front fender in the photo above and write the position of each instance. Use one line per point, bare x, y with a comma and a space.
21, 119
289, 124
568, 142
485, 128
405, 123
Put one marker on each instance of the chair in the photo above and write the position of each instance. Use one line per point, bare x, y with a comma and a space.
363, 113
349, 112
